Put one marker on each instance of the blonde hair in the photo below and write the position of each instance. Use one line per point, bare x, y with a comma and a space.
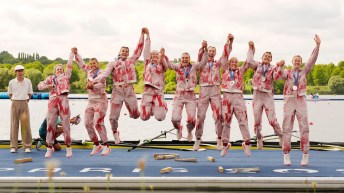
57, 66
233, 58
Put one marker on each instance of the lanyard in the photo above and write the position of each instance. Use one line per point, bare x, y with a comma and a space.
211, 64
152, 65
186, 72
296, 77
94, 75
231, 73
54, 80
264, 71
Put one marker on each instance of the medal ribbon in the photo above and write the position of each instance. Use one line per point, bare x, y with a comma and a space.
296, 77
95, 74
186, 72
264, 71
231, 73
211, 64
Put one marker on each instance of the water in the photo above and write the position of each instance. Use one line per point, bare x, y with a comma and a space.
325, 119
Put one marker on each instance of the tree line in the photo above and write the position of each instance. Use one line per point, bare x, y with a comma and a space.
323, 79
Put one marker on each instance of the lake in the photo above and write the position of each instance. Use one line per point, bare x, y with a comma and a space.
325, 119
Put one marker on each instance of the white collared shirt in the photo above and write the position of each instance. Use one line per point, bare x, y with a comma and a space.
20, 90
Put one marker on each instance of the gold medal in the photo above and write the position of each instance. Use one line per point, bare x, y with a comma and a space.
263, 78
294, 87
231, 83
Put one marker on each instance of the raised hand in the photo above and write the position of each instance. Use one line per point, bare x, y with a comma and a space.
230, 37
251, 45
317, 39
74, 50
90, 85
162, 51
204, 45
281, 63
145, 31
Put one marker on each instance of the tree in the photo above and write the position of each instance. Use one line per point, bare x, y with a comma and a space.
36, 65
7, 58
341, 64
278, 86
336, 85
319, 75
60, 61
48, 70
35, 76
44, 60
5, 78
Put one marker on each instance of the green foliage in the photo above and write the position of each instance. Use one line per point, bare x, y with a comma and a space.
35, 65
37, 68
341, 64
44, 60
319, 75
4, 79
6, 57
48, 70
35, 76
336, 85
324, 90
278, 86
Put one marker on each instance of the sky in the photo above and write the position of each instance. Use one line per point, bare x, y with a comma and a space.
98, 28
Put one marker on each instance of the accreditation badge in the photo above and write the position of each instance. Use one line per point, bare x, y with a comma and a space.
263, 78
231, 83
186, 80
294, 87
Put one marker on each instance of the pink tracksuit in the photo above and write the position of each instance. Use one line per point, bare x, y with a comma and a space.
233, 102
153, 100
263, 94
97, 104
295, 103
123, 76
185, 93
210, 92
58, 104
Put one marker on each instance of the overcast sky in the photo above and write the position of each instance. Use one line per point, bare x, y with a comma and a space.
100, 27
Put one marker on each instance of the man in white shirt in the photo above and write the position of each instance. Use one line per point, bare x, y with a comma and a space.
20, 91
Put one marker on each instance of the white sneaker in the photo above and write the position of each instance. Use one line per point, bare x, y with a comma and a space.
49, 152
116, 136
247, 149
189, 137
219, 144
69, 152
13, 150
179, 132
225, 149
196, 145
27, 150
305, 158
260, 144
96, 149
106, 151
287, 161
